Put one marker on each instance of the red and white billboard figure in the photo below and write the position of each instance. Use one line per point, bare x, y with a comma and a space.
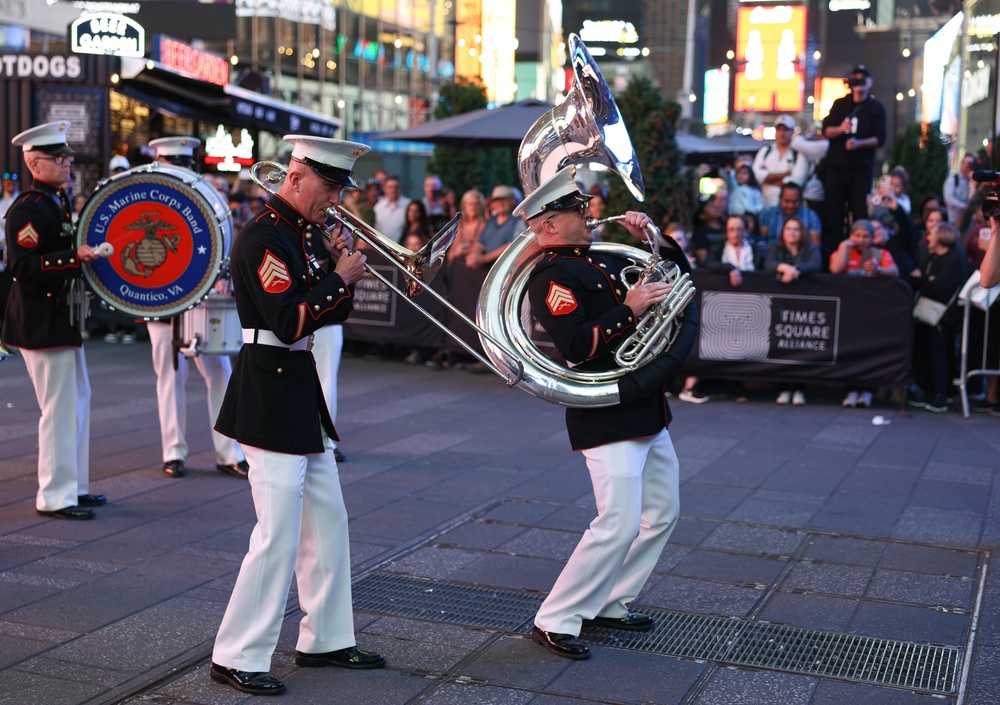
770, 58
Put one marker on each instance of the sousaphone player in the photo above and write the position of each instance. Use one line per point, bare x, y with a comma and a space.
581, 301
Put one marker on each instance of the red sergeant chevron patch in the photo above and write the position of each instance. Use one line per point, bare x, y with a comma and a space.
273, 274
560, 300
27, 236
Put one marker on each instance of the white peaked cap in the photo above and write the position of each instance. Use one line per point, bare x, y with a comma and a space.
558, 192
50, 137
330, 158
175, 146
118, 162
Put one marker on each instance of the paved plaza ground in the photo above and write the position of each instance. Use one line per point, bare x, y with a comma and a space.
821, 558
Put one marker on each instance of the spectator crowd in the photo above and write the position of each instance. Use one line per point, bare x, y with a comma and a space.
804, 204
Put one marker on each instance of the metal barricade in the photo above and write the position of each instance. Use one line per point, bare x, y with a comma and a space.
972, 298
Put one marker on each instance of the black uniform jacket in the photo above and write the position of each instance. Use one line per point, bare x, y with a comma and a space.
41, 254
274, 399
578, 298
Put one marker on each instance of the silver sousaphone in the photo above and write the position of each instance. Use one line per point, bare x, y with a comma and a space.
585, 128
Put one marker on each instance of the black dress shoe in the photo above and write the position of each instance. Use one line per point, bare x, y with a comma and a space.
248, 681
630, 622
338, 456
173, 468
90, 500
68, 513
565, 645
351, 657
240, 469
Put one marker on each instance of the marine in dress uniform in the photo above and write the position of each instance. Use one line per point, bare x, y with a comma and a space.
45, 265
171, 379
274, 407
579, 299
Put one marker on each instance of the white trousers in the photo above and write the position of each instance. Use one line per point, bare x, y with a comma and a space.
328, 344
171, 397
301, 527
636, 488
62, 389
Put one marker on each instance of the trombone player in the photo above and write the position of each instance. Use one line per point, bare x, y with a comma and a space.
274, 407
579, 298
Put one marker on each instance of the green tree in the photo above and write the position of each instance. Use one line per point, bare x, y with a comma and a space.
923, 154
464, 168
652, 124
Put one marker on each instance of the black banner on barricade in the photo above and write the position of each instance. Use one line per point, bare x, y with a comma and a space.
464, 285
823, 328
380, 317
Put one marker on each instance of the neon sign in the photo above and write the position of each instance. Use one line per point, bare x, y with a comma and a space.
183, 58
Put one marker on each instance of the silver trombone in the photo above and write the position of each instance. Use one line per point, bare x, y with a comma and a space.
419, 267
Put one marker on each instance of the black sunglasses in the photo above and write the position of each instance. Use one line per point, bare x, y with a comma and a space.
581, 209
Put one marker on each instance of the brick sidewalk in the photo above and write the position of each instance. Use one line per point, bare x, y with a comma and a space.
465, 500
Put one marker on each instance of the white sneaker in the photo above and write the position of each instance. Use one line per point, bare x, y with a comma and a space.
785, 397
692, 397
865, 400
851, 400
128, 339
798, 398
110, 338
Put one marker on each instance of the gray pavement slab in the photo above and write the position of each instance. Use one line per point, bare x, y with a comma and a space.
808, 516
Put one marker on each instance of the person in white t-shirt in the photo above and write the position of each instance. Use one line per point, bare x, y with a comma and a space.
778, 163
390, 210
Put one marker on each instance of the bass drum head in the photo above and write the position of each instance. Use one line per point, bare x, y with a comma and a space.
171, 231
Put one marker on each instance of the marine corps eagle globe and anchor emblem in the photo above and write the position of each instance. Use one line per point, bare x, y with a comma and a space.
171, 233
141, 258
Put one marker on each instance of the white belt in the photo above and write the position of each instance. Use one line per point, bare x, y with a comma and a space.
266, 337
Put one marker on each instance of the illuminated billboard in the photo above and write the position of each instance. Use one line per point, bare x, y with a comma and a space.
715, 108
826, 91
770, 58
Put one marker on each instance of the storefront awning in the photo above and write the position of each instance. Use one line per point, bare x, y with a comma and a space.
181, 95
277, 116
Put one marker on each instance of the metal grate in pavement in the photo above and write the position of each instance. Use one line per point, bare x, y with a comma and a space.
442, 601
780, 647
930, 668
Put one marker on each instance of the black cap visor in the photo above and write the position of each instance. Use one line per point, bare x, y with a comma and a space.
60, 148
330, 173
184, 160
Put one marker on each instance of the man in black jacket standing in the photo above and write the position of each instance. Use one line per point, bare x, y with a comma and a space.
274, 407
856, 129
39, 320
579, 298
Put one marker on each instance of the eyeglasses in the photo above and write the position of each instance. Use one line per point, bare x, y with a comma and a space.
60, 159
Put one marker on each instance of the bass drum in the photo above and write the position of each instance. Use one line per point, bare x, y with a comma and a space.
171, 231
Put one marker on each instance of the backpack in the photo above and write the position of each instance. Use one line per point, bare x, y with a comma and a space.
795, 159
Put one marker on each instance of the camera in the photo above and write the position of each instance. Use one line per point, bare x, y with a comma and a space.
877, 200
991, 199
